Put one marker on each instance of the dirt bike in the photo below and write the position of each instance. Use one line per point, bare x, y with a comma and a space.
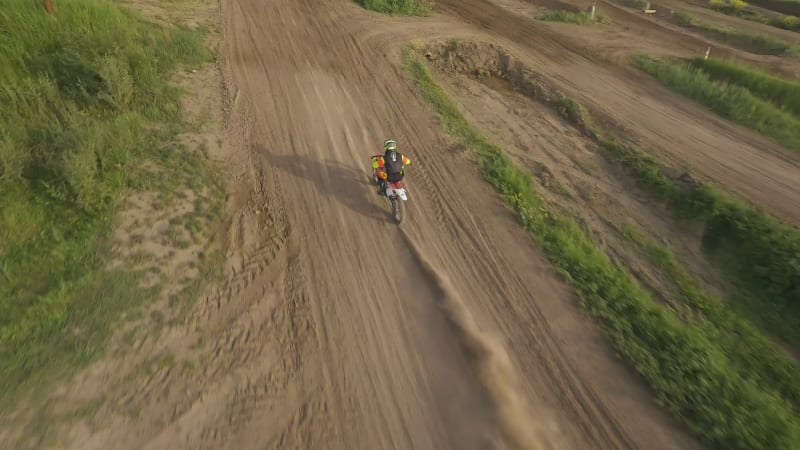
395, 197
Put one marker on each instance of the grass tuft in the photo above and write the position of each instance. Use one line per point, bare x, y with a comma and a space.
579, 18
400, 7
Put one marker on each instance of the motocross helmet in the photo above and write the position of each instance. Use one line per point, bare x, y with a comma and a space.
390, 149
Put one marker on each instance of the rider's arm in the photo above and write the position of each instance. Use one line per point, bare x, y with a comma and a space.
406, 160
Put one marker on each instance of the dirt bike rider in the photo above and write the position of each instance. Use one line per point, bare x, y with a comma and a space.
389, 166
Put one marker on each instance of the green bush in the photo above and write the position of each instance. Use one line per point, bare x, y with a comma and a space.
783, 93
403, 7
79, 91
690, 375
730, 101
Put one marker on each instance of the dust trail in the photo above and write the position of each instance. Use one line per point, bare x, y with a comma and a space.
496, 371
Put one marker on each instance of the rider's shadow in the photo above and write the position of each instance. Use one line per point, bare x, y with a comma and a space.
348, 186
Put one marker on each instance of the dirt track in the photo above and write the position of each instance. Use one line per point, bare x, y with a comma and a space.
336, 329
379, 352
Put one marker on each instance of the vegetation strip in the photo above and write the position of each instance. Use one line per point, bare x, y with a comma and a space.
730, 101
401, 7
755, 249
579, 18
783, 93
753, 355
81, 94
690, 375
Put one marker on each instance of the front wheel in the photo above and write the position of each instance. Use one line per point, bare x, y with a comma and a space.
398, 209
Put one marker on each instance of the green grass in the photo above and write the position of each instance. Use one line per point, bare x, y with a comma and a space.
757, 43
82, 93
783, 93
730, 101
579, 18
401, 7
759, 253
753, 355
691, 376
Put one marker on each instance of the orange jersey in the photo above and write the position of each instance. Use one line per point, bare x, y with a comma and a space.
379, 165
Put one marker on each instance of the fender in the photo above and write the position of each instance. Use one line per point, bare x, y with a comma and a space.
396, 189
